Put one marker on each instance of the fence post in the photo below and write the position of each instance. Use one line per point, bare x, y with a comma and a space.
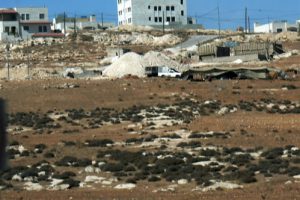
3, 136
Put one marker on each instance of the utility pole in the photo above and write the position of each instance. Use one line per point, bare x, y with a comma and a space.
246, 20
7, 60
3, 136
249, 26
299, 29
219, 22
269, 24
65, 31
163, 22
28, 63
75, 25
102, 20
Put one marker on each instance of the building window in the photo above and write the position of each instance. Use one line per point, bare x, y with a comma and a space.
150, 19
168, 19
149, 7
160, 19
159, 8
181, 2
172, 8
119, 1
42, 16
23, 17
173, 19
6, 29
45, 29
155, 8
182, 13
168, 8
129, 20
26, 28
40, 29
156, 19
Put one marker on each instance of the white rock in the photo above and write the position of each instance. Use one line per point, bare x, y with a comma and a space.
61, 187
270, 106
97, 170
296, 177
106, 182
29, 179
16, 178
21, 148
94, 179
56, 182
182, 181
223, 185
42, 173
89, 169
101, 164
282, 107
223, 111
33, 186
127, 186
294, 148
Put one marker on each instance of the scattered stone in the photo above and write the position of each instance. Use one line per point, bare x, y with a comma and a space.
127, 186
94, 179
33, 186
182, 182
223, 111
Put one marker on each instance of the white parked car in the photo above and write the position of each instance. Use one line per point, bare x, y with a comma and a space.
162, 72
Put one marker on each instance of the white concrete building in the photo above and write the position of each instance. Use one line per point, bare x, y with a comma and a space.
274, 27
25, 23
9, 24
151, 12
33, 21
82, 23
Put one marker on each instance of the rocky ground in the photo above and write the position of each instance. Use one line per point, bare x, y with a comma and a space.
147, 138
174, 139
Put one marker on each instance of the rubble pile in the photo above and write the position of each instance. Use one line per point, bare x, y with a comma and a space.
135, 38
134, 64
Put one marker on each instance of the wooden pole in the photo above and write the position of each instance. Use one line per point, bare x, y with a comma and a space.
3, 136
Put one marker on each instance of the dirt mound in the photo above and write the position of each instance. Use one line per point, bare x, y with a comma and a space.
128, 64
134, 64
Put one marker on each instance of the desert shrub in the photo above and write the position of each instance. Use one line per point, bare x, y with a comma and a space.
209, 153
240, 160
154, 179
273, 153
30, 172
99, 143
113, 167
67, 161
191, 144
293, 171
71, 182
49, 155
64, 175
172, 136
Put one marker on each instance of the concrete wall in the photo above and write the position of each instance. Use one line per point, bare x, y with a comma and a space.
273, 27
34, 13
143, 12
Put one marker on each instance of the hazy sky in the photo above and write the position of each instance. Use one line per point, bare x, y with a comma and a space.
231, 11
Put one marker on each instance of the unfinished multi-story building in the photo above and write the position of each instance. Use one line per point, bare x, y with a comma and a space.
152, 12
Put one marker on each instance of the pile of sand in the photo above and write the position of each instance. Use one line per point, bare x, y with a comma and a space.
134, 64
129, 63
